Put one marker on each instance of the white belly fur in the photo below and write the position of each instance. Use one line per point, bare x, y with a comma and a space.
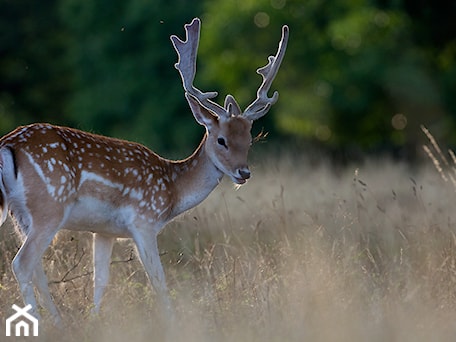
97, 216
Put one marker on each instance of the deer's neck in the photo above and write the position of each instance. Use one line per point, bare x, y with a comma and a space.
194, 179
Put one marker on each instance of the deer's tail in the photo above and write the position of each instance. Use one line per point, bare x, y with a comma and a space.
7, 172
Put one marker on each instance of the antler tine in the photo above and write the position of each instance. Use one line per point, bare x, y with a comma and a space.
261, 105
186, 65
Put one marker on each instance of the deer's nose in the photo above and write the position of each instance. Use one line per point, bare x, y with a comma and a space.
244, 173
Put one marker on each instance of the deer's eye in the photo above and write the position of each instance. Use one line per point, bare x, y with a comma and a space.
221, 141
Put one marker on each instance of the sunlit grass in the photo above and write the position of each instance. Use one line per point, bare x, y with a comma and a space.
300, 253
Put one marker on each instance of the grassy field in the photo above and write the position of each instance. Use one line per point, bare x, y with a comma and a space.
300, 253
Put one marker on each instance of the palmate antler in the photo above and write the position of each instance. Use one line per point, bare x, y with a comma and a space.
187, 51
186, 65
261, 105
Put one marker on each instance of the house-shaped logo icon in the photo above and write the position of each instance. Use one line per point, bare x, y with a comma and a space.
22, 320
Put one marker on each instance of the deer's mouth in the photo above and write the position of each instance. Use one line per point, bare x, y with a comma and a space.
240, 181
241, 175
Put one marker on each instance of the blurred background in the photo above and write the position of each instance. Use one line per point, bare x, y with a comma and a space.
359, 77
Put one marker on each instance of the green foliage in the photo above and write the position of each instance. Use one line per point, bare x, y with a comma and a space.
356, 73
33, 76
125, 83
349, 69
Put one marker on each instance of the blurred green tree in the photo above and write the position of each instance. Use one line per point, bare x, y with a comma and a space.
124, 80
33, 76
434, 31
353, 73
362, 73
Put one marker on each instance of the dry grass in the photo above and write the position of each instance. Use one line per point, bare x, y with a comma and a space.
300, 253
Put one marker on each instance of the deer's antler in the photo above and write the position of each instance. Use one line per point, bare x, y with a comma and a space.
187, 51
263, 102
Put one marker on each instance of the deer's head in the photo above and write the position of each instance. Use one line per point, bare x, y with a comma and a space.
228, 128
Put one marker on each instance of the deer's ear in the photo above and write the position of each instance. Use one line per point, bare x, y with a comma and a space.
202, 115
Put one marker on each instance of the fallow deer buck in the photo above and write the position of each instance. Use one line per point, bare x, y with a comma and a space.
54, 178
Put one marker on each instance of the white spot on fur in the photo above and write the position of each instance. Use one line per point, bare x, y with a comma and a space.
136, 194
50, 166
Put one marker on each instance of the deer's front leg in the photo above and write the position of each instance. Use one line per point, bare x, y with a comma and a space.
102, 250
146, 244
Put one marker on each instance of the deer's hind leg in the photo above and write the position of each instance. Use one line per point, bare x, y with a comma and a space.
41, 284
28, 270
38, 229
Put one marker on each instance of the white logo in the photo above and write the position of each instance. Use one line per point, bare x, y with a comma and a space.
21, 320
